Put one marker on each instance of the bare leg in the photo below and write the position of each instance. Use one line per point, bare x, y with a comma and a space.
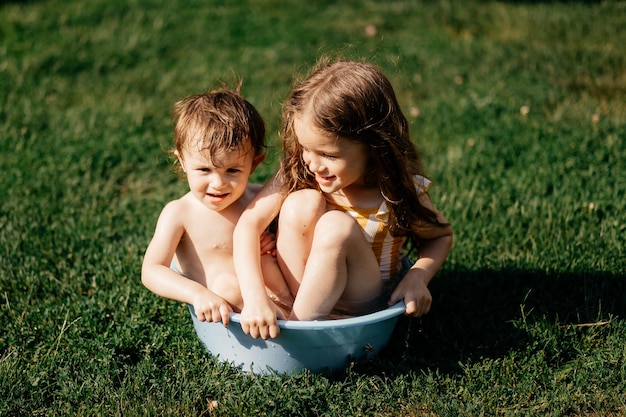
341, 267
275, 284
226, 286
298, 216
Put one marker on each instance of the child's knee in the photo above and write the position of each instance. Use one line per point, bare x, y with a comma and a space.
303, 206
226, 286
336, 228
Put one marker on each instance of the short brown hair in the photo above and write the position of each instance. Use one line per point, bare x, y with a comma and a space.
218, 120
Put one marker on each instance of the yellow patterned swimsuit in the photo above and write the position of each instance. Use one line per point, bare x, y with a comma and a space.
374, 223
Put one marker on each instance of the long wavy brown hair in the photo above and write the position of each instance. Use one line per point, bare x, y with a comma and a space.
355, 100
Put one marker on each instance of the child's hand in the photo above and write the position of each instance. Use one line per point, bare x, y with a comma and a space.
268, 243
413, 290
260, 321
210, 307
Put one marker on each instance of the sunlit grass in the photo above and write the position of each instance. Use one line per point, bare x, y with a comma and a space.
517, 107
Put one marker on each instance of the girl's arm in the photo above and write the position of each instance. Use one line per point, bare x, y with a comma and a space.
435, 245
157, 276
258, 316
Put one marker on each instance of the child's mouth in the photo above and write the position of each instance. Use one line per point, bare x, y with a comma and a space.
218, 197
324, 179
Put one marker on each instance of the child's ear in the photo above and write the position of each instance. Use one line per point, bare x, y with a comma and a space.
180, 159
256, 161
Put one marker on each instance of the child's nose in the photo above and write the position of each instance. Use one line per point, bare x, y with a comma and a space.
314, 164
217, 182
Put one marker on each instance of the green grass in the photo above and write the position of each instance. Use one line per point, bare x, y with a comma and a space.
521, 125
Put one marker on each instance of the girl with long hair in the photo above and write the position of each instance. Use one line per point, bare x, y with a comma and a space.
352, 198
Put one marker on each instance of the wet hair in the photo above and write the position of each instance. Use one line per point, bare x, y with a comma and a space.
355, 101
217, 121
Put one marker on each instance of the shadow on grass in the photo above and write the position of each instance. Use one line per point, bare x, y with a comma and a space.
474, 315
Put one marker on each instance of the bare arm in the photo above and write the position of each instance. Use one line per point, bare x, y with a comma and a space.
435, 245
258, 316
157, 276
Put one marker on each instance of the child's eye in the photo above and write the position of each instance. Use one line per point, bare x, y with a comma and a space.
331, 157
204, 170
234, 170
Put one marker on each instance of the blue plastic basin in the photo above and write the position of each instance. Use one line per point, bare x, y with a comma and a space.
314, 345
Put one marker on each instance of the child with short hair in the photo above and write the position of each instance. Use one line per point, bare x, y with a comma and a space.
219, 141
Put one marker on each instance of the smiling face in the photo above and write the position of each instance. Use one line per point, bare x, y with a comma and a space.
219, 181
337, 163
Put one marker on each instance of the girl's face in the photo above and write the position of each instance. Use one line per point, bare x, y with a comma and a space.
219, 181
336, 162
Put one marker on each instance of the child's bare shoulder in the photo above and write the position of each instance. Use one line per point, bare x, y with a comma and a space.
183, 210
179, 206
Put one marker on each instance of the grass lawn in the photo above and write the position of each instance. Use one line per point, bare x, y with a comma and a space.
518, 108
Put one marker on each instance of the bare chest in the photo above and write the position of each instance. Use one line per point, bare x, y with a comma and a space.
208, 238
